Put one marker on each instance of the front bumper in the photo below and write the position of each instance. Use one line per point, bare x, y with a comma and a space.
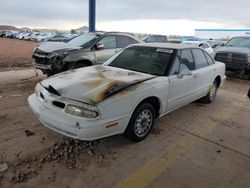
42, 66
72, 126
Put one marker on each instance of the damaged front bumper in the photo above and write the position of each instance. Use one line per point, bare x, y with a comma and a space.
56, 119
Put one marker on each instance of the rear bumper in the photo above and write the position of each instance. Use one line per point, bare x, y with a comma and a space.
223, 80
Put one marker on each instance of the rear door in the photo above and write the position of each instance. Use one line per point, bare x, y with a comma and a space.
203, 72
182, 89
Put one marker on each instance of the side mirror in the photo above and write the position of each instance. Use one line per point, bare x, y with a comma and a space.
99, 46
184, 72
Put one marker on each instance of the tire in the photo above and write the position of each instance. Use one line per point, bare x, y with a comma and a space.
246, 76
140, 123
209, 98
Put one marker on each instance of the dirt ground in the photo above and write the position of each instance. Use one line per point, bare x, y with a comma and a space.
15, 53
196, 146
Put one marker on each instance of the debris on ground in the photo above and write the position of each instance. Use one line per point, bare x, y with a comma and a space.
29, 133
68, 151
3, 167
16, 95
20, 176
248, 93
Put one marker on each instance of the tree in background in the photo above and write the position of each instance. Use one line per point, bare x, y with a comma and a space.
73, 31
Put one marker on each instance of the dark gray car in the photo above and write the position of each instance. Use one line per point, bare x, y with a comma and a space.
236, 55
84, 50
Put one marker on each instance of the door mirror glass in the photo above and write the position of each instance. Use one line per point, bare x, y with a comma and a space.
185, 72
99, 46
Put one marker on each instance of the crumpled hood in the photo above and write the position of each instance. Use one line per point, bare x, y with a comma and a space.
95, 83
245, 50
49, 47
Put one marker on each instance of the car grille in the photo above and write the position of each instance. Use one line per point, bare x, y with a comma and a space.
41, 57
231, 58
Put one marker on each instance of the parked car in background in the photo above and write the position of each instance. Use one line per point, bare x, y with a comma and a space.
128, 92
31, 36
236, 55
215, 43
177, 41
84, 50
10, 34
23, 35
2, 33
203, 45
43, 37
57, 38
156, 38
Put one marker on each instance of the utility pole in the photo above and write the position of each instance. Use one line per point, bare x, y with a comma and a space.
92, 15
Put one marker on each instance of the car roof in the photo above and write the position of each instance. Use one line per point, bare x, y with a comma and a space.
193, 42
176, 46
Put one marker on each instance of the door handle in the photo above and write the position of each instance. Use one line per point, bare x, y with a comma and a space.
195, 75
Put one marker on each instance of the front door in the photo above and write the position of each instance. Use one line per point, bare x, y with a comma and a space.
109, 48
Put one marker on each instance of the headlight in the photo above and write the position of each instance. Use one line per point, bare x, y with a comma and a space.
81, 112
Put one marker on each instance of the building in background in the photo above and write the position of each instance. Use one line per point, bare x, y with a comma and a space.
220, 34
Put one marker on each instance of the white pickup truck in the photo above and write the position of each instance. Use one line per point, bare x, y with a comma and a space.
126, 94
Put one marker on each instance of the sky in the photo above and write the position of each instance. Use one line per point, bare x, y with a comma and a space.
169, 17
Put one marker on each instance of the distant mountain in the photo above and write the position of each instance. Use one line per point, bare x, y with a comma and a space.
9, 27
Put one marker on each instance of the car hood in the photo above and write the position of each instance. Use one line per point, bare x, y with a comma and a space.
49, 47
245, 50
93, 84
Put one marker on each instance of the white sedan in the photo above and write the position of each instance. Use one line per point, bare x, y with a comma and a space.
126, 94
204, 45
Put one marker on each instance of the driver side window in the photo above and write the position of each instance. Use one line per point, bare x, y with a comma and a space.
109, 42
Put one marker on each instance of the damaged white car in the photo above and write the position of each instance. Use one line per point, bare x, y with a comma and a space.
127, 93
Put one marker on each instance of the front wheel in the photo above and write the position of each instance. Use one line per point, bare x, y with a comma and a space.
140, 123
209, 98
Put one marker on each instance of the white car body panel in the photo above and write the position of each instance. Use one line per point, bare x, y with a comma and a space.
114, 93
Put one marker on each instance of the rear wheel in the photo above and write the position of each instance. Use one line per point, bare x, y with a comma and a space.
140, 123
209, 98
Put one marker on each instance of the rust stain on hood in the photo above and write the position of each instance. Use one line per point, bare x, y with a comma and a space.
94, 84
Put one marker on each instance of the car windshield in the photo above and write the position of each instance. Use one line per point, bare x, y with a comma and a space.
239, 42
148, 60
84, 40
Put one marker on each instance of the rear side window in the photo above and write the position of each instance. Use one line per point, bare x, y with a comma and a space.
187, 61
123, 41
199, 58
209, 59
